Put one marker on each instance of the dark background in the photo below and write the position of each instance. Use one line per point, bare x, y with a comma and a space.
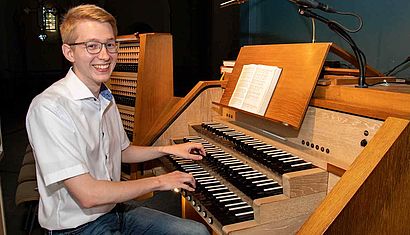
203, 36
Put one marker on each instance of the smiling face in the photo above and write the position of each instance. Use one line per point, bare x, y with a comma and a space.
91, 69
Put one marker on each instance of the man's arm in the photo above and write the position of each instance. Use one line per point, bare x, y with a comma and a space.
90, 192
135, 154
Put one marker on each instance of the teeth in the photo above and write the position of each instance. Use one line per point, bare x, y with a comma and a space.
101, 66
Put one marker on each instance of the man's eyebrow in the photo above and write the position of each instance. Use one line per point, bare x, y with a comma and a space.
97, 40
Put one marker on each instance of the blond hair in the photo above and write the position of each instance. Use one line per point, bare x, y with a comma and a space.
84, 12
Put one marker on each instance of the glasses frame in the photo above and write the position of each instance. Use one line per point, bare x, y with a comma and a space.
101, 43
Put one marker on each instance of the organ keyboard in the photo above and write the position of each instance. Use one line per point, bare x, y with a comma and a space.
274, 158
242, 176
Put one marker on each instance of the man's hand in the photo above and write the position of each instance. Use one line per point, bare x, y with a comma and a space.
178, 180
193, 151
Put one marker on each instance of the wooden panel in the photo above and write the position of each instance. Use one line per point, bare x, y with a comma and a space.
299, 183
202, 109
372, 196
377, 103
325, 136
293, 208
155, 81
353, 80
271, 219
286, 226
335, 137
301, 64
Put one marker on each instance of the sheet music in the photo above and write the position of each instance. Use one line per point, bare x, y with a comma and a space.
255, 87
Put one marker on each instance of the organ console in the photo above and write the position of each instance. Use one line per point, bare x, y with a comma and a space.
323, 159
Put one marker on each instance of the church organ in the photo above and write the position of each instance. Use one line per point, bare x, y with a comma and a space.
321, 162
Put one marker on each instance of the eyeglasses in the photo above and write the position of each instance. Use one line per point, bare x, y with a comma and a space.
94, 47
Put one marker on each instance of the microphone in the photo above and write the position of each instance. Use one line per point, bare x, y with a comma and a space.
314, 4
231, 2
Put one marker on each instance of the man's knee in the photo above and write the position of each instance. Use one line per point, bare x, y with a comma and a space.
193, 227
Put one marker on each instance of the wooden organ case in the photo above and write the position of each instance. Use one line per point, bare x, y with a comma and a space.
142, 83
325, 159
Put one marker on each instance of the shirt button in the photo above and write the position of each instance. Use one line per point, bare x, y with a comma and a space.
103, 134
106, 157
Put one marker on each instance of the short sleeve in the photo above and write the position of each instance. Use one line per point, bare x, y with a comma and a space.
55, 143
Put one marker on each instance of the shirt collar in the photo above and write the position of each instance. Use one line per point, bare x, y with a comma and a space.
105, 92
80, 91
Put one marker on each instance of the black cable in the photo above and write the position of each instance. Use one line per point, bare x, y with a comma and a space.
350, 14
358, 53
402, 63
336, 27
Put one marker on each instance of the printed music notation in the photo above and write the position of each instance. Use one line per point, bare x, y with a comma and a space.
255, 87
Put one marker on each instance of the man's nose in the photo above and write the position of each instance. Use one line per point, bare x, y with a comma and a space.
104, 52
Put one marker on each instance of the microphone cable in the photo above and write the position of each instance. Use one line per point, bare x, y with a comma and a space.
360, 20
397, 66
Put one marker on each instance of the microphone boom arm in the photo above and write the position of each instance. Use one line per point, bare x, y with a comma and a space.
360, 57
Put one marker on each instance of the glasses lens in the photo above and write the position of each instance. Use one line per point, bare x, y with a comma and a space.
93, 47
112, 46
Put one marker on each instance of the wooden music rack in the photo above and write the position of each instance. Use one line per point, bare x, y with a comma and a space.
301, 66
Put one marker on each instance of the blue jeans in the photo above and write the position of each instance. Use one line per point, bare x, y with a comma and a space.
140, 220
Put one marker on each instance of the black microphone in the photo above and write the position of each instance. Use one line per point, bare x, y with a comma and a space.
314, 4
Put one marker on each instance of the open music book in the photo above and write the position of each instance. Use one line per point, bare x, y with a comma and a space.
255, 87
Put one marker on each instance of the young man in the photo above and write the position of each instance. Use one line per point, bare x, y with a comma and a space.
78, 141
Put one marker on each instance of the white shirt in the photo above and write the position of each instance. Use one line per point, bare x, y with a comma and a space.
72, 133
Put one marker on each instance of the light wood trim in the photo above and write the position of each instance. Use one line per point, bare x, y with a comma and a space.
285, 226
128, 38
338, 171
353, 80
301, 66
166, 118
340, 71
172, 102
128, 75
306, 182
368, 102
370, 197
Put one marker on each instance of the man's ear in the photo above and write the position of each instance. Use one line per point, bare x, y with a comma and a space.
68, 52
